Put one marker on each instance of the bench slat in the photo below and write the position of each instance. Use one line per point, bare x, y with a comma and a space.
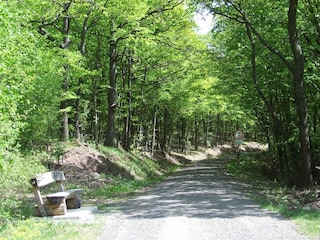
50, 177
68, 194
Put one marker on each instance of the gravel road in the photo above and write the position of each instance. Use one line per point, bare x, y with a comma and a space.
198, 202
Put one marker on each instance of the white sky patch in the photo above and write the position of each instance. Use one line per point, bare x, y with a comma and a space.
204, 21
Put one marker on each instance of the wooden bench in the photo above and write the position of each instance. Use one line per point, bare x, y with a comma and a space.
56, 203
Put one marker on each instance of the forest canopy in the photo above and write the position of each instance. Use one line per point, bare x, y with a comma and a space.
136, 74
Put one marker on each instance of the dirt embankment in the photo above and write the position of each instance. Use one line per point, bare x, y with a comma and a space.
85, 164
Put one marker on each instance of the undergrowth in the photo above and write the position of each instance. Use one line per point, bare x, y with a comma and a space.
14, 186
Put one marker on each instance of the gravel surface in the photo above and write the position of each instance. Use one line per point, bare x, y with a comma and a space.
198, 202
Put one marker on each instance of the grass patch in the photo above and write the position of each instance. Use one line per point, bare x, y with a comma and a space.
247, 169
121, 186
131, 173
285, 201
289, 202
138, 166
46, 229
309, 222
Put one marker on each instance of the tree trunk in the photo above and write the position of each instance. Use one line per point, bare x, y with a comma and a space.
82, 48
95, 116
65, 46
166, 126
300, 98
127, 85
95, 112
205, 120
315, 119
196, 134
218, 130
111, 140
276, 123
154, 132
183, 139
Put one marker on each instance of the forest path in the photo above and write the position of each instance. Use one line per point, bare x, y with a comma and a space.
197, 202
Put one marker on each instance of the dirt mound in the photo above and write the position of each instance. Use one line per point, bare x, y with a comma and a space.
85, 164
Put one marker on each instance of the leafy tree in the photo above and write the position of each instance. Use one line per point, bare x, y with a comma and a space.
17, 54
252, 16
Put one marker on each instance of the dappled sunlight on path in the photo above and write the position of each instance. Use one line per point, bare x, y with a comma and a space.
195, 191
197, 202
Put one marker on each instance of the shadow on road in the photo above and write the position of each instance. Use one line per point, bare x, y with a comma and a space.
200, 190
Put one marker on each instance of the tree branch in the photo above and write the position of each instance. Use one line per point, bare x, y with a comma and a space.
242, 18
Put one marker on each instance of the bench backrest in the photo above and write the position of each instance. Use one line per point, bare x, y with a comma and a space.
50, 177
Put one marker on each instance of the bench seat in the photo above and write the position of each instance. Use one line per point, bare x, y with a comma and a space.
68, 194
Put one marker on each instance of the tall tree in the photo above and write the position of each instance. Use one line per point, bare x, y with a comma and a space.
126, 28
299, 93
65, 45
238, 10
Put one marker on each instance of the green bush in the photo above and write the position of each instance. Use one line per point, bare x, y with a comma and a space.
15, 186
248, 169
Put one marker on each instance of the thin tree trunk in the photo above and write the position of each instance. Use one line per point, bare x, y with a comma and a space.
196, 134
315, 119
205, 121
65, 46
95, 115
276, 122
154, 127
165, 129
218, 130
184, 134
82, 48
127, 85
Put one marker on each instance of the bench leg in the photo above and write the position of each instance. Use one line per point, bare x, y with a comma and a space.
53, 209
41, 207
73, 203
